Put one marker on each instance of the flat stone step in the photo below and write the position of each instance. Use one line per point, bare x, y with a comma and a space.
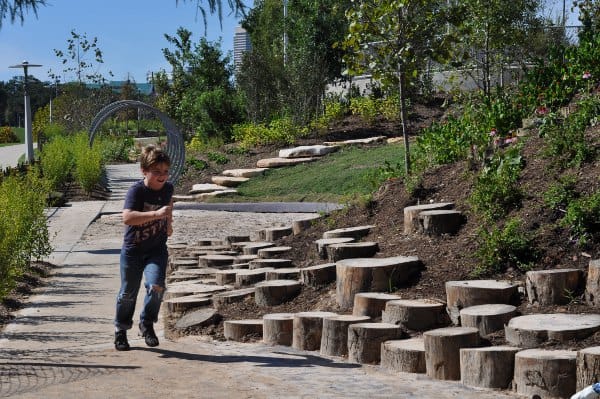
411, 214
223, 299
404, 355
273, 252
357, 232
279, 162
533, 330
415, 314
371, 303
318, 275
347, 250
323, 243
368, 140
286, 273
214, 194
545, 373
203, 188
307, 151
244, 172
242, 330
487, 318
438, 222
276, 292
229, 181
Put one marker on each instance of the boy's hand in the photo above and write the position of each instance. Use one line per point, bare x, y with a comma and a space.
164, 212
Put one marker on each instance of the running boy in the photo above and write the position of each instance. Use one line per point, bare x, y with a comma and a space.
147, 215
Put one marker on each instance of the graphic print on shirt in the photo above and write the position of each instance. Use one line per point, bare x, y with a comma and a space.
149, 229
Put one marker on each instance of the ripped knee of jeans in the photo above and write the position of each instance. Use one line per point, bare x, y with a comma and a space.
157, 290
126, 297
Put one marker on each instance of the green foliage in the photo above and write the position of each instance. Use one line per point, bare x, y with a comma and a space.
88, 162
7, 135
115, 148
217, 158
561, 193
196, 163
501, 248
582, 217
56, 161
278, 131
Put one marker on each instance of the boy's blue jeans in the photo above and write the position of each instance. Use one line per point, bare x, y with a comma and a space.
133, 265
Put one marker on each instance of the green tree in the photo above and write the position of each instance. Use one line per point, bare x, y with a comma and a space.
16, 9
216, 6
392, 39
589, 16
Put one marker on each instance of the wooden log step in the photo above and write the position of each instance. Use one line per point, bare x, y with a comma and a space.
273, 263
308, 328
288, 273
216, 261
183, 289
487, 318
438, 222
372, 274
411, 213
244, 266
277, 233
318, 275
176, 246
462, 294
273, 252
244, 172
489, 367
177, 264
236, 238
279, 162
198, 318
244, 258
278, 328
239, 245
228, 181
442, 350
334, 339
185, 303
365, 339
371, 303
588, 367
531, 331
203, 242
223, 299
242, 330
357, 232
209, 248
323, 243
227, 277
349, 250
303, 151
299, 226
404, 355
553, 287
415, 314
276, 292
249, 277
252, 249
592, 286
187, 274
546, 373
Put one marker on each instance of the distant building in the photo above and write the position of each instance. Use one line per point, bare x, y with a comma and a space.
117, 85
241, 44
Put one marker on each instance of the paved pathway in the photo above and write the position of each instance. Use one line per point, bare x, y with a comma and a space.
9, 155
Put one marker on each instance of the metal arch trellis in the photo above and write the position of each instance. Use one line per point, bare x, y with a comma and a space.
175, 145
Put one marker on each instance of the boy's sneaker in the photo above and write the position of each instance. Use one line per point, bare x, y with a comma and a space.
147, 331
121, 343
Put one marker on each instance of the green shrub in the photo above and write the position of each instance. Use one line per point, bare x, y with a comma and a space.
115, 148
56, 160
88, 162
582, 217
7, 135
561, 193
279, 131
217, 158
365, 107
197, 164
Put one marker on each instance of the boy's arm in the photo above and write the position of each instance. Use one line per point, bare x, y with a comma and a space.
170, 220
136, 218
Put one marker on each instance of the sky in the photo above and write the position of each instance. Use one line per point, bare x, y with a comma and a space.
130, 34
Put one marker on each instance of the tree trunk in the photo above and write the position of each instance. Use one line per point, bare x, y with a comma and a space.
277, 328
334, 339
442, 350
365, 339
588, 367
490, 367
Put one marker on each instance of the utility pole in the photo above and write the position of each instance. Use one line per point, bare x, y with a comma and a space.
285, 37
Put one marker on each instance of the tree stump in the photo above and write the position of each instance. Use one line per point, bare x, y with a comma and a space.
462, 294
588, 367
273, 252
438, 222
244, 258
185, 303
404, 355
249, 277
318, 275
357, 232
198, 318
415, 314
547, 373
299, 226
276, 292
242, 330
365, 339
277, 233
216, 261
308, 328
224, 277
371, 303
487, 318
592, 286
489, 367
442, 350
372, 274
184, 289
278, 328
272, 263
533, 330
177, 264
411, 213
553, 287
347, 250
236, 238
288, 273
240, 266
323, 243
252, 249
223, 299
334, 339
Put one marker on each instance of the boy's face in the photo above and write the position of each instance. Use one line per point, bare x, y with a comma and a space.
156, 175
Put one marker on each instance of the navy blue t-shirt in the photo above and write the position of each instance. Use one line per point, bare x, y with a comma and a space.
151, 235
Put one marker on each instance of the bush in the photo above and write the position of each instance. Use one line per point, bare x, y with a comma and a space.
582, 217
7, 135
88, 162
279, 131
561, 193
217, 158
116, 148
56, 161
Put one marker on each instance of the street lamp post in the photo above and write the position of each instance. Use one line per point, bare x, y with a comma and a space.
28, 134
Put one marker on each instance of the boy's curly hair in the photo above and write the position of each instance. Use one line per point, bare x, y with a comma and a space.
152, 155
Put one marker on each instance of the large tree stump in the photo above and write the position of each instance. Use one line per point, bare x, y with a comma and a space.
347, 250
553, 287
277, 233
588, 367
299, 226
178, 263
288, 273
278, 328
487, 318
242, 330
198, 318
216, 261
372, 274
415, 314
252, 249
365, 339
547, 373
273, 252
185, 288
236, 238
411, 213
592, 286
462, 294
272, 263
308, 328
223, 299
357, 232
248, 277
442, 350
185, 303
371, 303
489, 367
323, 243
225, 277
405, 355
531, 331
334, 339
244, 259
276, 292
318, 275
438, 222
